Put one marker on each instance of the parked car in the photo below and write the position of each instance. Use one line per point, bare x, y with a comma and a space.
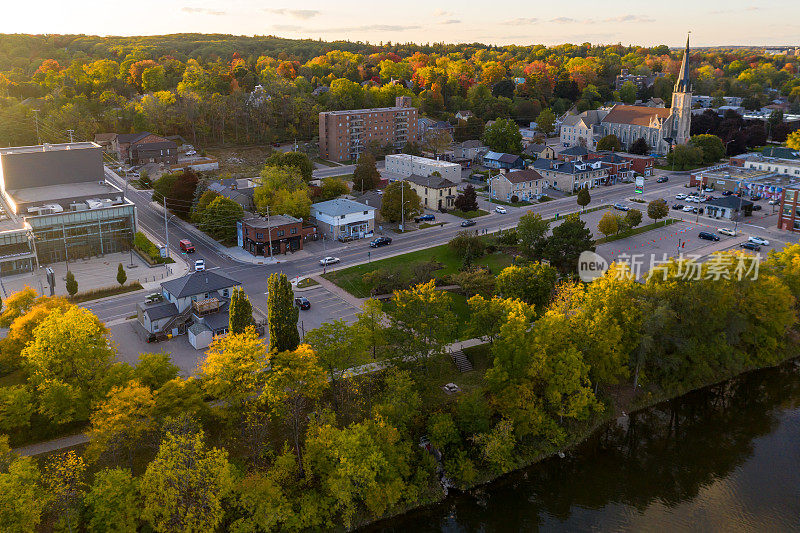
708, 189
757, 207
755, 198
758, 240
750, 246
727, 231
199, 265
621, 207
380, 241
692, 198
303, 303
500, 209
707, 235
774, 202
662, 179
467, 223
191, 152
186, 246
680, 196
727, 193
328, 261
678, 207
688, 209
423, 218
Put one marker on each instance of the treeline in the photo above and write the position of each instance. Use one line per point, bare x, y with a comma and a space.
300, 436
201, 86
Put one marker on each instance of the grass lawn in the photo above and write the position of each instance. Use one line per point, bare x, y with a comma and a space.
636, 231
325, 162
306, 282
350, 278
512, 204
469, 214
105, 292
427, 225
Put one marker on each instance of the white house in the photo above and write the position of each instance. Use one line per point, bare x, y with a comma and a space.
405, 165
343, 219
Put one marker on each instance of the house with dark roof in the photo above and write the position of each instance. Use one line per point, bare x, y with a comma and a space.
145, 147
569, 176
618, 167
537, 151
503, 161
196, 304
471, 150
435, 192
243, 197
464, 115
574, 153
525, 184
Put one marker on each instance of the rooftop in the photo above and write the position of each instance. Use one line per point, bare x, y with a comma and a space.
433, 182
636, 115
53, 193
522, 176
159, 310
48, 148
425, 160
346, 112
274, 221
340, 206
198, 283
730, 202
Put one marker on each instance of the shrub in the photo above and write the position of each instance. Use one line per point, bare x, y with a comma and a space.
508, 237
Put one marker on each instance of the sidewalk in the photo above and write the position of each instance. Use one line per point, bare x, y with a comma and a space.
94, 273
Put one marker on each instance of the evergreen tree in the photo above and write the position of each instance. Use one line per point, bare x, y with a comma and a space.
71, 283
122, 277
467, 200
282, 314
640, 147
241, 311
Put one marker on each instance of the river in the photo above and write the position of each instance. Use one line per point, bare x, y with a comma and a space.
724, 458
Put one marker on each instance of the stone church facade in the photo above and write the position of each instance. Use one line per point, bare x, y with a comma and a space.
662, 128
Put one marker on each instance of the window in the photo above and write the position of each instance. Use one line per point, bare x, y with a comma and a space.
281, 232
366, 212
294, 230
155, 326
259, 235
225, 293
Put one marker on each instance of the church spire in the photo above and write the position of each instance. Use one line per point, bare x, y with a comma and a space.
684, 85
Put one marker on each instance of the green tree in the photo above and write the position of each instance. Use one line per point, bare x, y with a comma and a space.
295, 382
442, 431
63, 478
397, 194
633, 218
640, 147
16, 407
583, 197
685, 157
438, 141
532, 283
234, 366
366, 176
568, 241
339, 347
71, 284
22, 496
298, 160
711, 146
608, 224
67, 358
121, 422
503, 136
475, 281
333, 188
155, 369
497, 447
202, 204
531, 230
546, 121
113, 502
240, 313
370, 324
282, 314
122, 277
609, 143
467, 246
220, 217
473, 413
657, 209
185, 484
401, 401
627, 92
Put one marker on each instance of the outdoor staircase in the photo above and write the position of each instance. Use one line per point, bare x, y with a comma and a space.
461, 361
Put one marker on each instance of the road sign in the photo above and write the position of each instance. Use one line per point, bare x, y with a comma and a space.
639, 184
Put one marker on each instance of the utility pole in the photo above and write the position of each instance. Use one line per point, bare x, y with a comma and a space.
70, 135
269, 235
166, 225
402, 206
36, 120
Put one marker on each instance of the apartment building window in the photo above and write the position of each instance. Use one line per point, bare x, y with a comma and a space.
259, 235
280, 233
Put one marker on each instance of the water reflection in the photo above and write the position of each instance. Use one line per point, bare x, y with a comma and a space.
722, 459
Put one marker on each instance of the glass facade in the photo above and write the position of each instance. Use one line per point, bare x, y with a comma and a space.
79, 234
16, 255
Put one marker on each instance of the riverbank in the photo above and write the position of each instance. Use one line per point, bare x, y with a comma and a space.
641, 403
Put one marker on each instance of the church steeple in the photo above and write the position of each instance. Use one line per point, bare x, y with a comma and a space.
684, 85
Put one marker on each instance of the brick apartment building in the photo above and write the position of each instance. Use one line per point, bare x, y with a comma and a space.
344, 135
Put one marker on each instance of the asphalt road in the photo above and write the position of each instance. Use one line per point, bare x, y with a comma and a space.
254, 277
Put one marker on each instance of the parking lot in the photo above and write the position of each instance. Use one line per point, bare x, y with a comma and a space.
325, 307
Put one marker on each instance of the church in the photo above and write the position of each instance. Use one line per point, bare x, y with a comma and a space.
661, 127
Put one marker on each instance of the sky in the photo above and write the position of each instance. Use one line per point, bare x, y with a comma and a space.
523, 22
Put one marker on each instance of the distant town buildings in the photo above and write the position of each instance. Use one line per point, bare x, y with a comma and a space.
344, 135
404, 165
641, 81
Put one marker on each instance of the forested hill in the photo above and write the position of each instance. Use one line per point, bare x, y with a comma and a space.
200, 85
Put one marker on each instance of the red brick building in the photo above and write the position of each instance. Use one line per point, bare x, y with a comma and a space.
344, 135
285, 233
